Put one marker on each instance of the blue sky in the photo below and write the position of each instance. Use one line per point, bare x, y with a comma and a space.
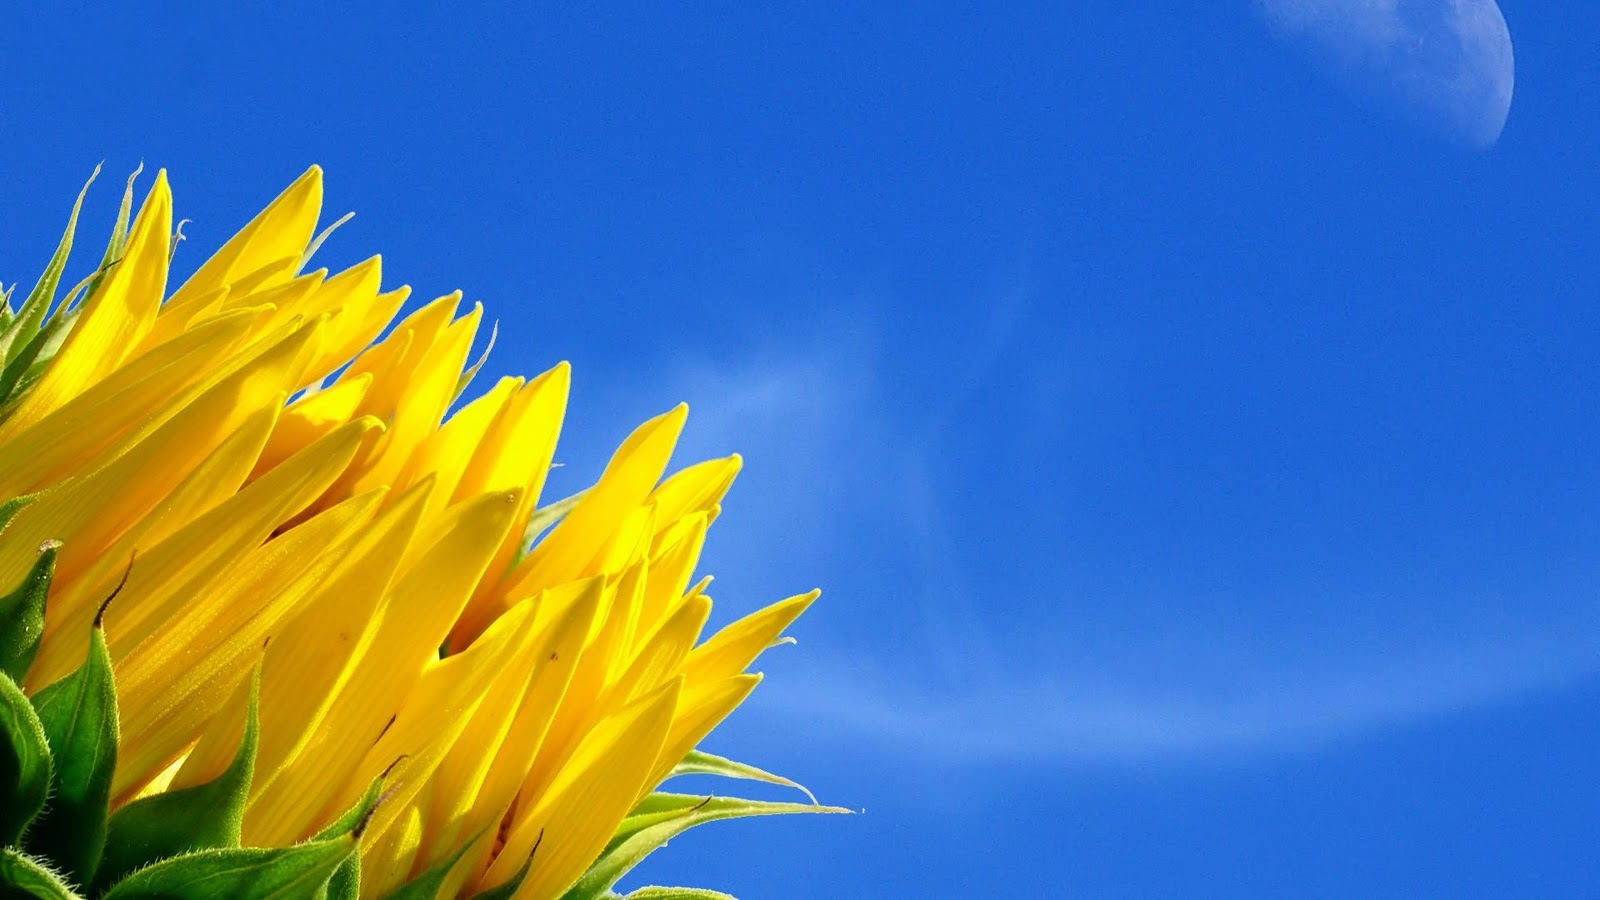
1198, 452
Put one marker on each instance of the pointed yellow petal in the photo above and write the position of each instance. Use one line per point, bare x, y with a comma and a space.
307, 667
167, 327
411, 625
113, 320
663, 651
572, 821
167, 577
122, 409
446, 453
580, 707
357, 325
432, 718
696, 489
310, 418
557, 661
281, 230
733, 648
428, 386
572, 549
175, 680
387, 859
701, 708
673, 566
88, 514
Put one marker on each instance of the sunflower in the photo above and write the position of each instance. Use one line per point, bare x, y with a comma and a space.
287, 617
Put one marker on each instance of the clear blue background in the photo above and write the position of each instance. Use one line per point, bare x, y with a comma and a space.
1201, 466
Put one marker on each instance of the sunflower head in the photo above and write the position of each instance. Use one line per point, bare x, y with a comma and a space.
284, 615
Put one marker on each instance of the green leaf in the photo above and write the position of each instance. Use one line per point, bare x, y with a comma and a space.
662, 817
465, 379
323, 235
24, 762
79, 716
203, 817
677, 893
426, 886
546, 517
15, 377
509, 889
239, 873
22, 876
31, 315
10, 508
22, 611
119, 237
699, 762
346, 881
355, 818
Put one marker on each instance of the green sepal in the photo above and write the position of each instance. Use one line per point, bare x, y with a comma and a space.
30, 316
465, 379
22, 876
79, 716
22, 611
202, 817
10, 508
546, 517
345, 884
355, 818
24, 762
239, 873
676, 893
509, 889
426, 886
659, 818
346, 881
28, 363
699, 762
119, 237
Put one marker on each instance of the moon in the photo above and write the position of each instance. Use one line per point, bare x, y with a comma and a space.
1446, 65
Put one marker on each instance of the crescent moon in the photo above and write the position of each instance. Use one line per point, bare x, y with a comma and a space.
1445, 64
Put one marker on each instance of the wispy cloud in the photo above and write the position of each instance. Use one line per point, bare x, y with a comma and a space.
845, 490
1039, 715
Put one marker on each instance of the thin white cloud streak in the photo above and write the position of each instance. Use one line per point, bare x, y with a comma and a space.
951, 687
1035, 717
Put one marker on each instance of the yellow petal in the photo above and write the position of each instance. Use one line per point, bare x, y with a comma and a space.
701, 708
696, 489
357, 325
113, 320
673, 566
574, 818
310, 418
432, 718
120, 410
281, 230
410, 627
387, 859
733, 648
557, 661
429, 385
663, 651
573, 548
167, 577
446, 453
173, 682
319, 651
